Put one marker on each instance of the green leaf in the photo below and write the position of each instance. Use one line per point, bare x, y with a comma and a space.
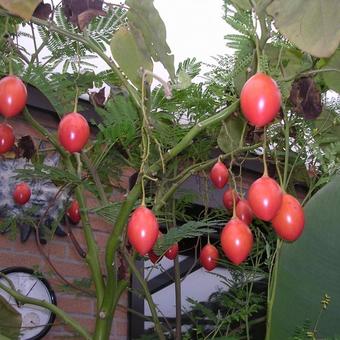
149, 28
243, 4
332, 78
313, 26
293, 60
309, 269
22, 8
188, 230
10, 320
130, 55
231, 133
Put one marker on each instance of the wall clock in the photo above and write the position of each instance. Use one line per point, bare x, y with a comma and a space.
36, 321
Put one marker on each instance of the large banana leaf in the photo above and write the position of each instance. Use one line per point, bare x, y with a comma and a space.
309, 269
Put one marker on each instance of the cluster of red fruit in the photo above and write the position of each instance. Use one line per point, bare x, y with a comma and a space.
266, 201
143, 232
260, 102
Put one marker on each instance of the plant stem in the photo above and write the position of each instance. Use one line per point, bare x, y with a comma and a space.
51, 307
92, 256
96, 178
147, 295
177, 279
272, 289
178, 300
285, 171
195, 130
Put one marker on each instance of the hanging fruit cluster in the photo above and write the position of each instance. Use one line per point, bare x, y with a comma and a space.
260, 103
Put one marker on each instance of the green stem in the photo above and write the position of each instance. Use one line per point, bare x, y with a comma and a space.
195, 130
178, 300
51, 307
147, 295
104, 322
96, 178
92, 256
272, 289
285, 171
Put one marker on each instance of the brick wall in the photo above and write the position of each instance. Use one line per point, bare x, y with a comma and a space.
67, 261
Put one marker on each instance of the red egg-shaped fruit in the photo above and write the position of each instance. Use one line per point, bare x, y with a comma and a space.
209, 257
289, 221
7, 138
219, 175
21, 193
13, 96
73, 132
142, 230
73, 212
265, 197
260, 99
172, 252
236, 240
228, 198
244, 212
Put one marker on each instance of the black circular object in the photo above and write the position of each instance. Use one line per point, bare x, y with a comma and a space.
36, 320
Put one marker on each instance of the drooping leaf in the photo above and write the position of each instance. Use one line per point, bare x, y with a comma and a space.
130, 62
308, 269
80, 12
22, 8
10, 320
332, 78
43, 11
146, 22
97, 98
312, 26
306, 98
230, 135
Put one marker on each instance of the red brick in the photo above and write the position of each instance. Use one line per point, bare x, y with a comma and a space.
71, 269
101, 239
56, 249
76, 304
120, 328
5, 243
86, 322
99, 223
11, 259
128, 172
30, 246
